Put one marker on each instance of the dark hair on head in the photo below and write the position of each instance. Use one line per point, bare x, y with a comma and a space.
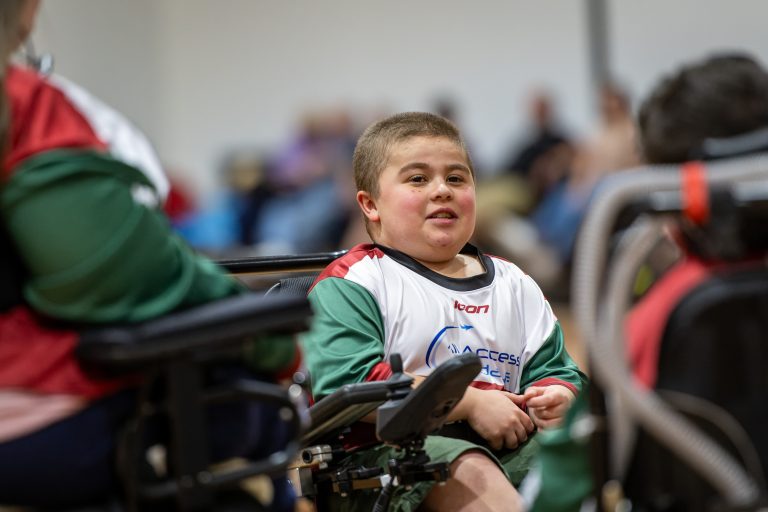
719, 97
372, 149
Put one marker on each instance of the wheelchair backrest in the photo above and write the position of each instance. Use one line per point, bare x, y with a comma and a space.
713, 368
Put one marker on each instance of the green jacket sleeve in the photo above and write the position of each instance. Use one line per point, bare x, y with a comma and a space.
346, 338
552, 361
563, 473
93, 252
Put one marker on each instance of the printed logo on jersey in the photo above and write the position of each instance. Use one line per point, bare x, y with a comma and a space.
496, 364
437, 341
471, 308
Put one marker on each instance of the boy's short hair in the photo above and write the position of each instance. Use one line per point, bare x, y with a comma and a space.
372, 149
722, 96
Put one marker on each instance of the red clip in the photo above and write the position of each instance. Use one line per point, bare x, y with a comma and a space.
694, 193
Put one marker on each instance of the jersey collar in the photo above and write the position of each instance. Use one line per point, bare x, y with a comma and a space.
463, 284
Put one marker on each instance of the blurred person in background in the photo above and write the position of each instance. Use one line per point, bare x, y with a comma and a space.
534, 167
561, 178
290, 201
543, 134
84, 243
612, 147
302, 203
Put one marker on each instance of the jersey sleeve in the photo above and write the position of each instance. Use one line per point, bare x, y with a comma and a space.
551, 364
546, 360
93, 251
345, 341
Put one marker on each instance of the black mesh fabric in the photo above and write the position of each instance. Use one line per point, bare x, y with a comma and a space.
293, 285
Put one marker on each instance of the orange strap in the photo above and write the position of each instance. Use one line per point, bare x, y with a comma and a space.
694, 192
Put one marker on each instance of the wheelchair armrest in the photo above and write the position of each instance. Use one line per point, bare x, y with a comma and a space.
403, 413
426, 408
215, 324
280, 263
349, 404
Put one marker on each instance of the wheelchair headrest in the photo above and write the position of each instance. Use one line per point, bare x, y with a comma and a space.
719, 219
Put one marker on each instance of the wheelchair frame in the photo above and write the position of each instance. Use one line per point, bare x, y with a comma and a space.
616, 401
174, 347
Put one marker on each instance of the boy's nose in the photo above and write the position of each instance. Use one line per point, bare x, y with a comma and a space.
442, 190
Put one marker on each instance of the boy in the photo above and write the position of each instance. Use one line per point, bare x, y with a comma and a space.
422, 291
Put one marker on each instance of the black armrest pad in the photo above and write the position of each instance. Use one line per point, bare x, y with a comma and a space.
426, 408
349, 404
224, 321
285, 263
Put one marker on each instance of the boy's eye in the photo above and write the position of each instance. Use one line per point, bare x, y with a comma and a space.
418, 178
455, 178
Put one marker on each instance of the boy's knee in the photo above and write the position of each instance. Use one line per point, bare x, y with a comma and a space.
476, 483
475, 468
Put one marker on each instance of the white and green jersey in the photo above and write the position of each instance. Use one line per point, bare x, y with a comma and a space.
375, 301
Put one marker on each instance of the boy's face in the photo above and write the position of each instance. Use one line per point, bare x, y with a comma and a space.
426, 202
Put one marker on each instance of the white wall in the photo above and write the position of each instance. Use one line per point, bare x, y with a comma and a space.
114, 49
203, 76
653, 37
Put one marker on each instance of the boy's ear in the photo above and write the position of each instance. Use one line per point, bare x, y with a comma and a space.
368, 204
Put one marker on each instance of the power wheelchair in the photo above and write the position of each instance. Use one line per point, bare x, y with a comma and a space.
696, 439
172, 353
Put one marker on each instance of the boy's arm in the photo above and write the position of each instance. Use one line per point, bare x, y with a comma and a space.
551, 365
551, 380
346, 341
545, 359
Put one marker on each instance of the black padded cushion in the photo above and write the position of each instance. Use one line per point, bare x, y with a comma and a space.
715, 348
209, 326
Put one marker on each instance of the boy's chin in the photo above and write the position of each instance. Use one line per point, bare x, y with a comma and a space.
447, 242
443, 250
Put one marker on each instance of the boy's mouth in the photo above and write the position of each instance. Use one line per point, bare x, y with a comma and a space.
442, 213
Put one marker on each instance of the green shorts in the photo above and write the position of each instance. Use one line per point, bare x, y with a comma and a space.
515, 464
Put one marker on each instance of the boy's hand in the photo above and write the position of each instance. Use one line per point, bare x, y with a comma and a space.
497, 417
547, 405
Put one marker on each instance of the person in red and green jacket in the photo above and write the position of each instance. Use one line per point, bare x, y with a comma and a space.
83, 243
